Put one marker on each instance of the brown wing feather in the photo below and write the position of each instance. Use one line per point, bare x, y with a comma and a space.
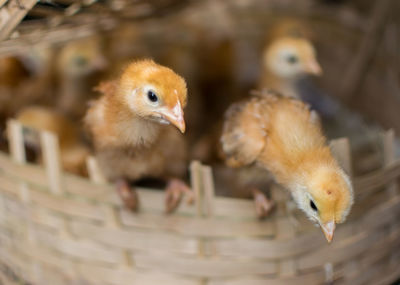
245, 131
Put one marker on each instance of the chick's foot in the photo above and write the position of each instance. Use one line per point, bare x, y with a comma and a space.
127, 194
262, 204
174, 192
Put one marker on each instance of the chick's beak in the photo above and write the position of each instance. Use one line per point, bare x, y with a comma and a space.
175, 116
328, 229
314, 68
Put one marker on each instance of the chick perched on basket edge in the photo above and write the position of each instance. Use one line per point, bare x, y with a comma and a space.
284, 137
132, 135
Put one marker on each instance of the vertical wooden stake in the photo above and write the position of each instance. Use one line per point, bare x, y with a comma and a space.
209, 190
209, 195
329, 276
341, 151
94, 171
16, 139
196, 184
388, 160
17, 150
51, 159
196, 180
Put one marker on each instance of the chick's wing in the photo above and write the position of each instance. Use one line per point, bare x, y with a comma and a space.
245, 132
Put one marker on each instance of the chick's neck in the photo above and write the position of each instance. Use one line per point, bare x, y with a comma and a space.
298, 169
285, 86
131, 130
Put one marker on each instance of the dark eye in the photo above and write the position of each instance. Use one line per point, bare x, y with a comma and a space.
81, 60
312, 205
152, 96
292, 59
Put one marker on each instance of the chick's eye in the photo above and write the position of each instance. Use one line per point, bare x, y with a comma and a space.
152, 96
313, 206
80, 60
292, 59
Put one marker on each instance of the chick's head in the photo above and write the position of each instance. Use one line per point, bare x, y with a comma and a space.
80, 58
326, 198
291, 58
154, 92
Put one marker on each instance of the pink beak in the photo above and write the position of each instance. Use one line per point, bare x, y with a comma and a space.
313, 67
175, 117
328, 229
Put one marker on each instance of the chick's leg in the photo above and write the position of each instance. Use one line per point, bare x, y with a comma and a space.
127, 194
174, 192
263, 205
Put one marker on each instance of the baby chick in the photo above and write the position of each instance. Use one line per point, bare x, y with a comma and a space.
78, 68
282, 136
286, 59
21, 85
73, 152
132, 135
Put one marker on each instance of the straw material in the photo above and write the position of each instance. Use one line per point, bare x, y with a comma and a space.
56, 228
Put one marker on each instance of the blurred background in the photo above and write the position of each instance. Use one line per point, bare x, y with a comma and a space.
54, 53
63, 49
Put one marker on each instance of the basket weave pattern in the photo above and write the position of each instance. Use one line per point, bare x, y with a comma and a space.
56, 228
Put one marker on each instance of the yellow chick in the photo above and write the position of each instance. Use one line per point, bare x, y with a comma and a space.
282, 136
287, 57
24, 80
73, 152
78, 67
134, 130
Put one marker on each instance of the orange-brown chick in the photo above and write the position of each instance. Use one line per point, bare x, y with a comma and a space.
288, 56
132, 135
282, 136
73, 152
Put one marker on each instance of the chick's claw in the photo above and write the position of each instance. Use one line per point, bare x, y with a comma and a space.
128, 195
174, 193
263, 205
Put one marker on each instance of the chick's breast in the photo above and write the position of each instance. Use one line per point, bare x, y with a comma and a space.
164, 158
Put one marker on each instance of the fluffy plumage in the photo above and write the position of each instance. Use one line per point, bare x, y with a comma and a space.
287, 57
131, 130
284, 137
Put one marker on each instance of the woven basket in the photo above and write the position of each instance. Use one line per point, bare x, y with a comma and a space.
56, 228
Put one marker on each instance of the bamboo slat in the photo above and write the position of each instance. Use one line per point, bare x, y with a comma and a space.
205, 267
135, 239
310, 278
119, 277
51, 158
200, 227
